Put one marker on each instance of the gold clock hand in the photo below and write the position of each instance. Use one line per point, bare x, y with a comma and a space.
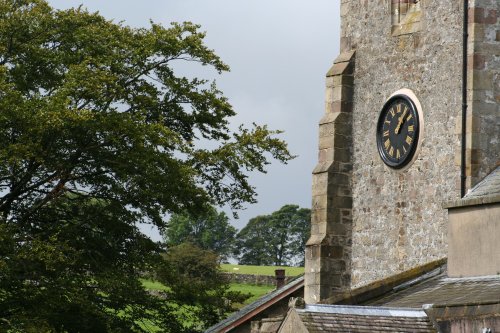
400, 121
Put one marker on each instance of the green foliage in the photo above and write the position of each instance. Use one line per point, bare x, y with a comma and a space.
253, 242
256, 291
100, 133
210, 231
291, 228
75, 268
198, 285
276, 239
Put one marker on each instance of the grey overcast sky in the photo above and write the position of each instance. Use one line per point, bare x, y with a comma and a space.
279, 52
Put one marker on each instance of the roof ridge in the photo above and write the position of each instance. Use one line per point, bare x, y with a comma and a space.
482, 182
365, 310
381, 287
262, 301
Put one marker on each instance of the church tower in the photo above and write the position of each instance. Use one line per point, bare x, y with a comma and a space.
412, 121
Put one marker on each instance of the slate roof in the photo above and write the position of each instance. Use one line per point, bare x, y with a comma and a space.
486, 191
402, 308
440, 290
398, 309
354, 319
248, 311
489, 186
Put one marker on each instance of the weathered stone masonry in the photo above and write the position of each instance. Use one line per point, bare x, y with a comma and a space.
328, 250
398, 220
370, 222
483, 116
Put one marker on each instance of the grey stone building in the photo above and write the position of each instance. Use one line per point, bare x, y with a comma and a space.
377, 208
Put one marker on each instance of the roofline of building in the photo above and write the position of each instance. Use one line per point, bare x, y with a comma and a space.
468, 202
265, 305
249, 311
472, 199
382, 287
365, 310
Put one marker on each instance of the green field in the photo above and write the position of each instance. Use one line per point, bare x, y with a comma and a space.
261, 270
153, 285
256, 291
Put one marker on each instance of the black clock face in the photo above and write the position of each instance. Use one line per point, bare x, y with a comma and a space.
398, 131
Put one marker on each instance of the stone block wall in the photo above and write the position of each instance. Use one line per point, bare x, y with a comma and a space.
328, 251
369, 221
467, 318
398, 219
483, 123
255, 279
473, 236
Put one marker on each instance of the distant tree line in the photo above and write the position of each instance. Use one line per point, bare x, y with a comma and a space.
275, 239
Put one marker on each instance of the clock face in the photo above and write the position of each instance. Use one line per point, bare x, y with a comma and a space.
398, 131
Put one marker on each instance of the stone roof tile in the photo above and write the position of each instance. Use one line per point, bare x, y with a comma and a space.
358, 319
486, 191
489, 186
441, 290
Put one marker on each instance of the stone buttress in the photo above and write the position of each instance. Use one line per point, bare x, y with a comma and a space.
329, 247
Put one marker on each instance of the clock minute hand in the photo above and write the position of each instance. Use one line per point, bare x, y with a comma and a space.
400, 122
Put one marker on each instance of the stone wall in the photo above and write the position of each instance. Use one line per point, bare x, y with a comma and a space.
328, 250
398, 219
466, 318
473, 236
369, 221
483, 125
256, 279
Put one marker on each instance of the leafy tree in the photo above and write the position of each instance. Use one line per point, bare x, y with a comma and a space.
210, 231
99, 133
253, 242
74, 268
198, 286
277, 239
290, 226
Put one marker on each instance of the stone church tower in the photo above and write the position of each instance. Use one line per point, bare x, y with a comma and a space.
392, 145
